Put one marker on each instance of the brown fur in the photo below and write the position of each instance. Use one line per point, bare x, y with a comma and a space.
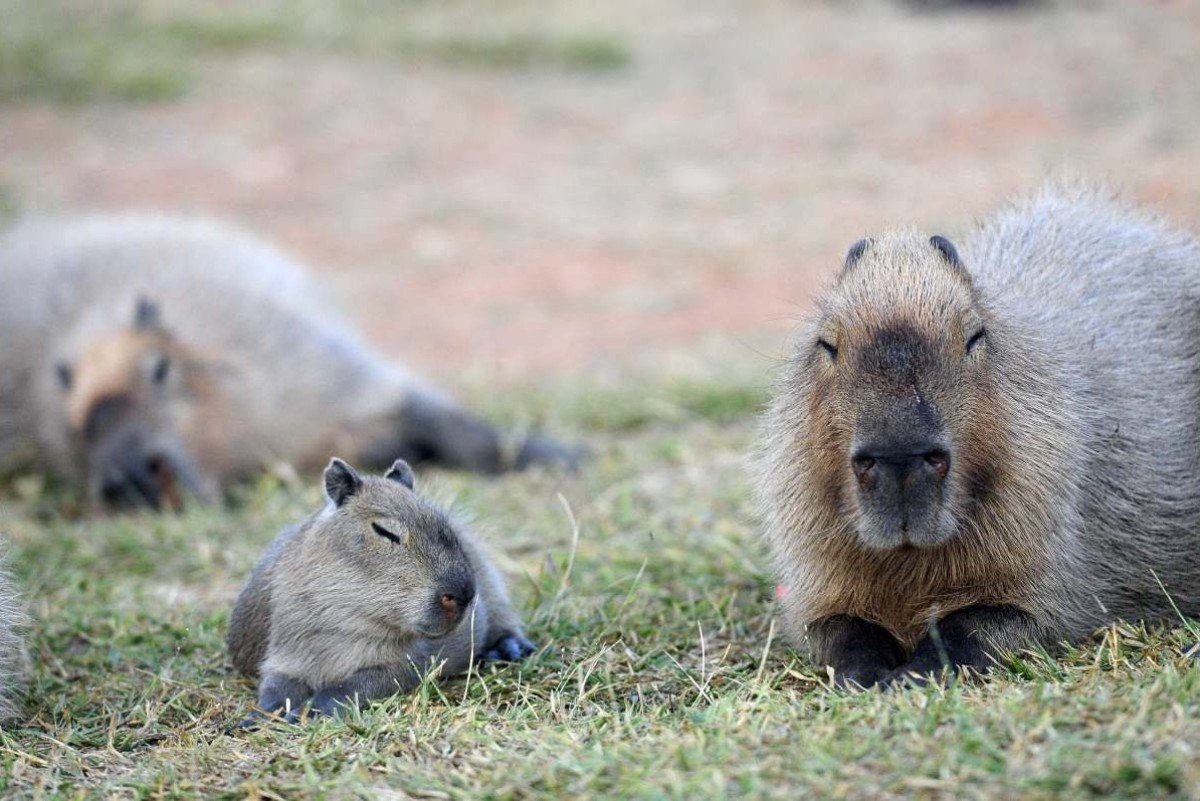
1002, 554
1070, 496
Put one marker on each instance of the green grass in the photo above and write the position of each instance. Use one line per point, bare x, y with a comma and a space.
659, 673
73, 66
516, 51
66, 52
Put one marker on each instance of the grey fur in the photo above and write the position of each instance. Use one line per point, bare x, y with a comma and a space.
335, 610
1092, 355
267, 374
13, 657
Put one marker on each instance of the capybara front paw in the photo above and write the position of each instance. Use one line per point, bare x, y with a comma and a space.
537, 450
328, 705
509, 648
861, 678
909, 676
258, 718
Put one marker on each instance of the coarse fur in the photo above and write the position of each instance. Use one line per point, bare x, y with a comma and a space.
13, 657
1056, 365
366, 596
144, 355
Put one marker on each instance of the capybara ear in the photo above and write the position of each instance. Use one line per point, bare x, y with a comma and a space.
146, 315
341, 482
855, 253
401, 473
948, 251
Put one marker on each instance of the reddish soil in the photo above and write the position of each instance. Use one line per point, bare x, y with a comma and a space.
522, 223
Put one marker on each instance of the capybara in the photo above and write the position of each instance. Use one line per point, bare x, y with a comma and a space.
975, 454
154, 357
367, 595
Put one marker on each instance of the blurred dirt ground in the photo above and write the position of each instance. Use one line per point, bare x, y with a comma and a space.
672, 210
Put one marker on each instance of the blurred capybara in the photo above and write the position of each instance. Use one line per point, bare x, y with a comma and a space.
969, 456
151, 357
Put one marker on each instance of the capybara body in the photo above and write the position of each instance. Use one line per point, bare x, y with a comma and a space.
366, 596
148, 356
976, 454
13, 657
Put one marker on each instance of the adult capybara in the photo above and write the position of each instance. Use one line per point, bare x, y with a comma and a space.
150, 357
969, 455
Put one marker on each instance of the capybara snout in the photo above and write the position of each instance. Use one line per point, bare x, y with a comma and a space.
452, 603
132, 466
900, 488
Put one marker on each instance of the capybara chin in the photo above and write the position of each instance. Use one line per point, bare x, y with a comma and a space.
152, 358
972, 454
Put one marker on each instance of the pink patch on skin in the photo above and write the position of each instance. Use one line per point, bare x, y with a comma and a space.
780, 592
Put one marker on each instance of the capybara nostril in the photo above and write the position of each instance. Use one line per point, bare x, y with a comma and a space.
939, 460
157, 466
162, 474
113, 493
899, 464
863, 465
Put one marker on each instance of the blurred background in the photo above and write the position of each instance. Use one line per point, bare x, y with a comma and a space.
505, 192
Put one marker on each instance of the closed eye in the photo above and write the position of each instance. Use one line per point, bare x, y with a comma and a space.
383, 532
829, 348
975, 339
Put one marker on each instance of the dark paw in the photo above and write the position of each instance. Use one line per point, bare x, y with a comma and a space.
863, 678
542, 450
258, 718
255, 721
903, 677
328, 705
509, 648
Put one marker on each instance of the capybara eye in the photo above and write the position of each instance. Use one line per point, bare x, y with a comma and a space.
829, 348
975, 339
383, 532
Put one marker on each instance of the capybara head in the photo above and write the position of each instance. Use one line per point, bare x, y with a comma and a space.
406, 568
899, 360
127, 398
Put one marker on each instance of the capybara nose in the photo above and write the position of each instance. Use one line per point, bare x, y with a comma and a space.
129, 491
900, 469
139, 479
455, 602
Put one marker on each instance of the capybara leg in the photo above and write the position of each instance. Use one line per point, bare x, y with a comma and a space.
280, 694
860, 652
543, 450
364, 685
433, 430
508, 647
451, 437
968, 638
